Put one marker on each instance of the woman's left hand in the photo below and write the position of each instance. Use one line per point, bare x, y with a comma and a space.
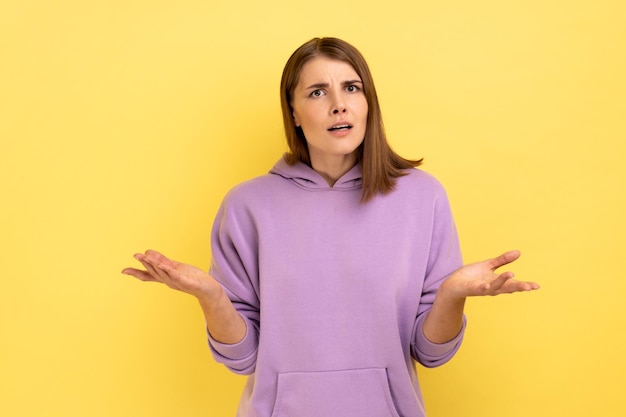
481, 278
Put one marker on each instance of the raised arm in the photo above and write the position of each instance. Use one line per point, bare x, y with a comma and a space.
224, 323
445, 319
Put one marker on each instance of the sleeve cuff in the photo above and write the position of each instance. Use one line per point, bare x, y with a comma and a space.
241, 350
436, 351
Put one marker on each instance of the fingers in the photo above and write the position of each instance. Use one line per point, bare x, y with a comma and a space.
156, 265
506, 284
156, 257
161, 263
149, 265
531, 286
496, 285
504, 259
518, 286
140, 275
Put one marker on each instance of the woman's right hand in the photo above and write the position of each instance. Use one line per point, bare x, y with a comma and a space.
223, 321
176, 275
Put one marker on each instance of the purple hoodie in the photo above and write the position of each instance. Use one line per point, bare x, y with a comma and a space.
333, 292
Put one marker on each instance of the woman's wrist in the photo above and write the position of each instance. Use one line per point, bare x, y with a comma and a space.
449, 294
210, 299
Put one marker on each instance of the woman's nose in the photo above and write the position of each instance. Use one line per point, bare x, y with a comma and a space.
339, 108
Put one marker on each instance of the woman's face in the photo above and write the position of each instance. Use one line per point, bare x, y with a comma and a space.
330, 106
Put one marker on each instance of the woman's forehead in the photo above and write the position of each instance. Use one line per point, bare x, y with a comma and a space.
322, 67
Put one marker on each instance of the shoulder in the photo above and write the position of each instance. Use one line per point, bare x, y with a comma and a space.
417, 190
250, 190
257, 195
417, 180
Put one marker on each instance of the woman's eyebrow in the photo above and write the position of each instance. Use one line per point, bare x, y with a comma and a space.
325, 85
316, 86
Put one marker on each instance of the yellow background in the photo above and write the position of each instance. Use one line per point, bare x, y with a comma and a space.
123, 124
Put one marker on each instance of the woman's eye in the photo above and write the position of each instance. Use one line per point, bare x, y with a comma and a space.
352, 88
317, 93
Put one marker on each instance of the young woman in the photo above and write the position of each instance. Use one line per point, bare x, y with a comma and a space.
338, 269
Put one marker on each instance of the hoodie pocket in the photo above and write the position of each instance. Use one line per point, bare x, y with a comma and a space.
354, 392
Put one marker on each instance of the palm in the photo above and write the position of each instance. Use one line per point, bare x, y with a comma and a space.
481, 278
176, 275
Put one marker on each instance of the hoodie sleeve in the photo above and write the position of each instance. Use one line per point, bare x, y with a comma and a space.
443, 259
235, 265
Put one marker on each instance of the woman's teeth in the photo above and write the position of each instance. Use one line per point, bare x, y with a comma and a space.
340, 127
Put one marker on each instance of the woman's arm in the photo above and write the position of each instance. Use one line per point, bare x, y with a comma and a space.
224, 323
445, 319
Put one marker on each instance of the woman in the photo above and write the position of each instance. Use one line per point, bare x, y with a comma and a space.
336, 271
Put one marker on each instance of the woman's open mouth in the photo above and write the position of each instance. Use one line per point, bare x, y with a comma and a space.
340, 127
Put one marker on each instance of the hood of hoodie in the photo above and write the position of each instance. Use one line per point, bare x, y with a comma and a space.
306, 177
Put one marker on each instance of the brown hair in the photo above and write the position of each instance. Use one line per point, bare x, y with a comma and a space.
380, 165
